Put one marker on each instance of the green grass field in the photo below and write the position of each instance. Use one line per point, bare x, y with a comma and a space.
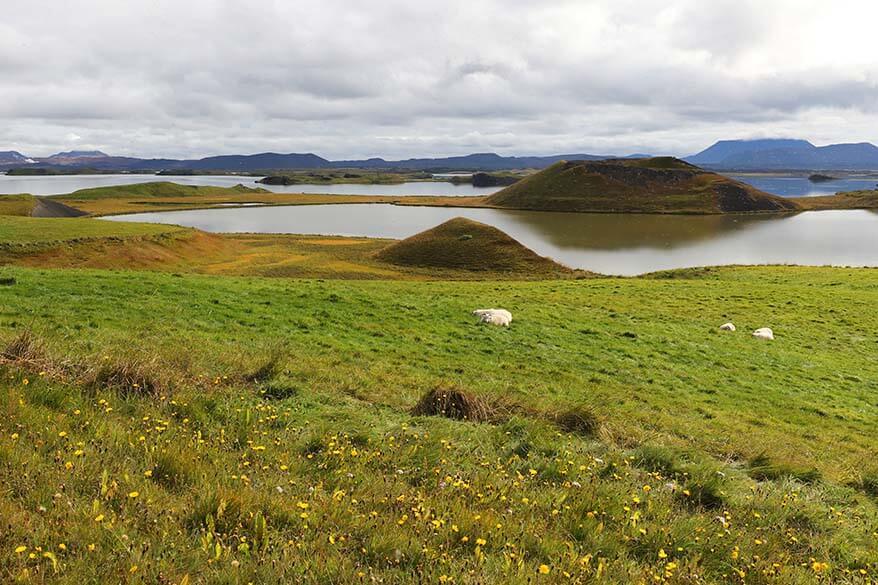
173, 428
28, 231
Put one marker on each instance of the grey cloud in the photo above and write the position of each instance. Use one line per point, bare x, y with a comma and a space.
398, 78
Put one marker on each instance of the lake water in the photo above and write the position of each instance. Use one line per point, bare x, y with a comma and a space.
605, 243
56, 185
61, 184
802, 187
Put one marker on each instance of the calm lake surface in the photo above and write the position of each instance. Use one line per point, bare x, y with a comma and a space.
56, 185
802, 187
61, 184
605, 243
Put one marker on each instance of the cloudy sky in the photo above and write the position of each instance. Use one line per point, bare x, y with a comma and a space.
400, 78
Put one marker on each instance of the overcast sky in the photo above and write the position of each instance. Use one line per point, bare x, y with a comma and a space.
400, 78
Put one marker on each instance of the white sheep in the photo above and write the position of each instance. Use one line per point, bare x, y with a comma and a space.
728, 327
764, 333
500, 317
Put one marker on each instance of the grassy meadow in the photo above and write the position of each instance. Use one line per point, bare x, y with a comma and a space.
180, 407
174, 428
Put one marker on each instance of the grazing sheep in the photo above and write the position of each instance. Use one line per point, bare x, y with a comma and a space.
500, 317
764, 333
728, 327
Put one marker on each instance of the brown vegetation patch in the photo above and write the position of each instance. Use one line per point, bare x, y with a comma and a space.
128, 377
25, 349
579, 420
454, 403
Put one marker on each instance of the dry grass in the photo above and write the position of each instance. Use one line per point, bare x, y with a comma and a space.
579, 420
126, 376
129, 376
24, 349
454, 403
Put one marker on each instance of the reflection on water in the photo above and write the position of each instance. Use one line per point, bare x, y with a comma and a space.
61, 184
615, 231
606, 243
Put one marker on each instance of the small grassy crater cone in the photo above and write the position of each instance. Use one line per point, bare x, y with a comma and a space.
462, 243
651, 185
453, 403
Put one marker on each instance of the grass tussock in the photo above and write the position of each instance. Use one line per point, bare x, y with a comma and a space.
764, 468
128, 376
125, 376
25, 349
658, 459
279, 391
170, 472
868, 483
454, 403
265, 371
704, 489
580, 420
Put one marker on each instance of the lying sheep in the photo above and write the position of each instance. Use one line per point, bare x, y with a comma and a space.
728, 327
499, 317
764, 333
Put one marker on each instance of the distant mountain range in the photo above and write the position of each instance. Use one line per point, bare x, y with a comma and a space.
12, 158
785, 154
270, 161
745, 155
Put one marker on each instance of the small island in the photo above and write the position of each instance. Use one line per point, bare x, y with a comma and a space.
820, 178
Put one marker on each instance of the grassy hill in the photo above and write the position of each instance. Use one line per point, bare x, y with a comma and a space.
156, 189
656, 185
263, 433
465, 244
